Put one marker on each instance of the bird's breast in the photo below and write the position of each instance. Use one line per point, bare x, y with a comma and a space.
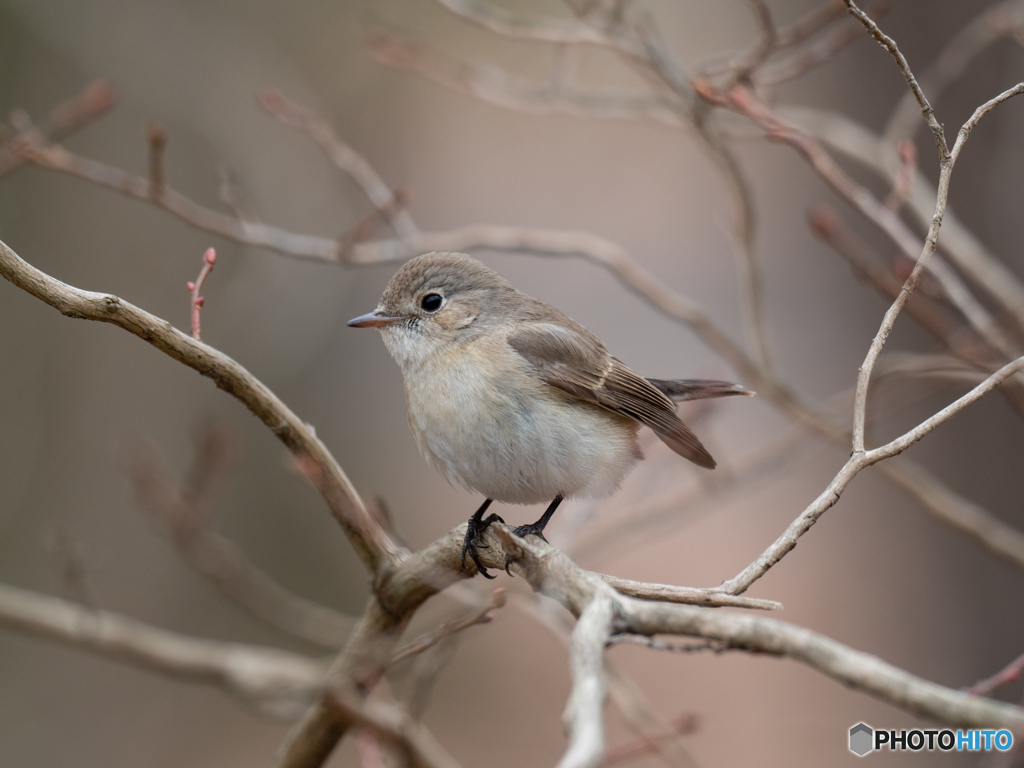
486, 422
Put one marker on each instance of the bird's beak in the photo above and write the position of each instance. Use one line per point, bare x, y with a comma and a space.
375, 319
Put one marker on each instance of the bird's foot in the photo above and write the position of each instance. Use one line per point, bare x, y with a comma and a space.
533, 529
474, 541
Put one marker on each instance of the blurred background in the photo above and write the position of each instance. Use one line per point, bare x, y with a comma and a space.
76, 398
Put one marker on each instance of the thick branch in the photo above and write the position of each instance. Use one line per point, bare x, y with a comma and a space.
584, 710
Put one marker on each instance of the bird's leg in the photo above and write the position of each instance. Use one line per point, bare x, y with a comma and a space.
474, 530
537, 529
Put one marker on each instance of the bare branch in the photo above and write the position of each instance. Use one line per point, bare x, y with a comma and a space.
180, 512
946, 169
157, 137
934, 316
684, 725
231, 194
390, 723
584, 711
494, 86
638, 711
992, 24
250, 232
281, 684
711, 598
907, 439
860, 459
197, 301
501, 22
746, 259
361, 663
1009, 673
964, 249
817, 51
660, 645
65, 119
447, 629
890, 45
372, 543
551, 573
767, 42
979, 113
905, 181
865, 202
953, 509
342, 155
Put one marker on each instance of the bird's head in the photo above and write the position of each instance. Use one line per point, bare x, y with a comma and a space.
434, 301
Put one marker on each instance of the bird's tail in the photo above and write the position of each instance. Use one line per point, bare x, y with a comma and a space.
679, 390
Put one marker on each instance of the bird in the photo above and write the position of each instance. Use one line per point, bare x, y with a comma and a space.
511, 398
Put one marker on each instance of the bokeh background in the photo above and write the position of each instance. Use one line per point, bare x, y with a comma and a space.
877, 573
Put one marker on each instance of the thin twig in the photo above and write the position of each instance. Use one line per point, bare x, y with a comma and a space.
938, 319
507, 24
391, 723
994, 23
1007, 674
157, 138
447, 629
859, 460
343, 156
931, 241
64, 119
684, 725
197, 301
231, 194
816, 52
497, 87
890, 45
905, 181
966, 251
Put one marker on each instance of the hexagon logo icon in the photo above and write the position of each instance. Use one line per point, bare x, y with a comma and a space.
861, 739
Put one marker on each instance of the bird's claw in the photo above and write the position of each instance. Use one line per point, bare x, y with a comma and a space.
473, 542
533, 529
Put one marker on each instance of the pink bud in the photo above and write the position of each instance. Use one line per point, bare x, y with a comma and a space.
191, 285
200, 301
210, 256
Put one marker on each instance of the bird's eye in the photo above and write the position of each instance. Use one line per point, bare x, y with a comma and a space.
431, 302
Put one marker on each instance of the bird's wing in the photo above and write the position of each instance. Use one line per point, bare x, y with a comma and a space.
576, 362
678, 390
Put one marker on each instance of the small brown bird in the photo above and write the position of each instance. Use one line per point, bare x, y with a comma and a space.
511, 398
